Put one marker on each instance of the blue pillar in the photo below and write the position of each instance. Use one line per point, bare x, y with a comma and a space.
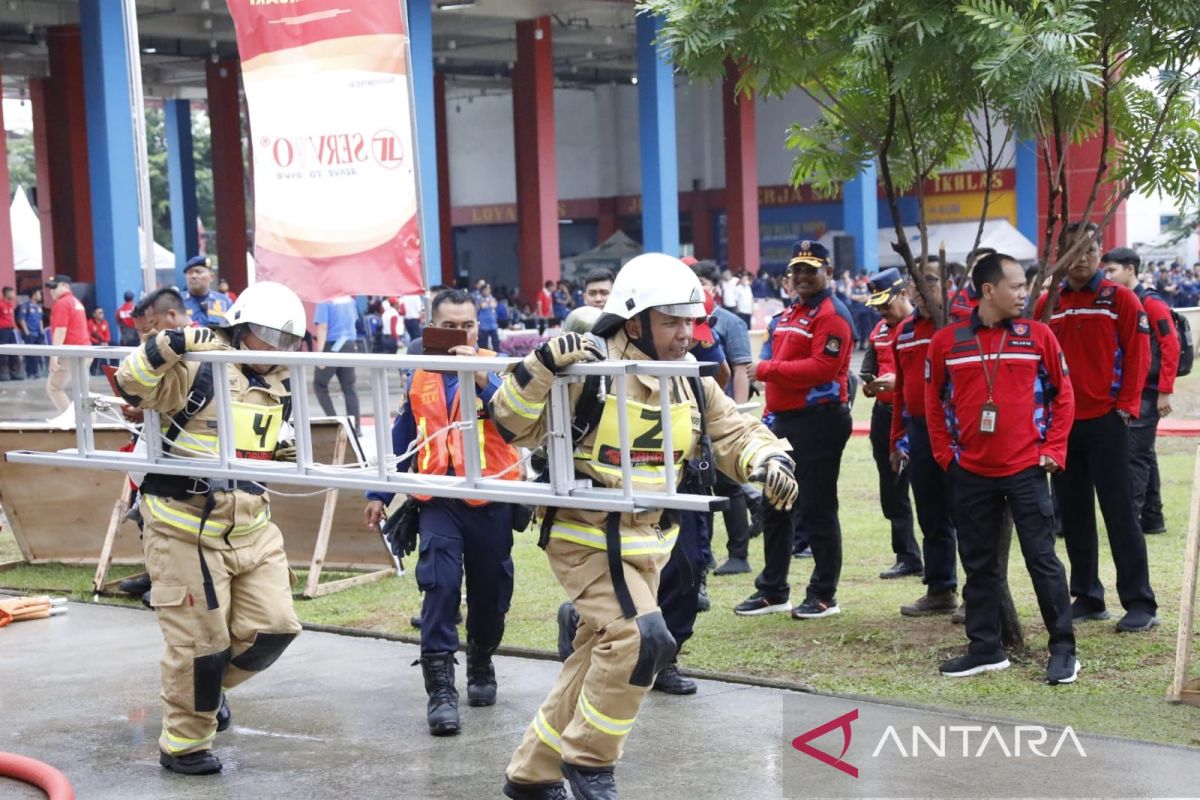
181, 175
860, 218
112, 169
1027, 189
420, 48
656, 132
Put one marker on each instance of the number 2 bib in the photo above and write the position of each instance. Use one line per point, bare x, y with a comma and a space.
645, 438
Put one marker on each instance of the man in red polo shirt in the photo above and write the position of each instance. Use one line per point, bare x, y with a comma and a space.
999, 405
806, 381
68, 325
889, 296
1104, 335
911, 451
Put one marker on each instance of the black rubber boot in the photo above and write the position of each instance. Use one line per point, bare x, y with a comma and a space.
224, 715
591, 783
535, 791
481, 675
442, 709
137, 586
202, 762
568, 624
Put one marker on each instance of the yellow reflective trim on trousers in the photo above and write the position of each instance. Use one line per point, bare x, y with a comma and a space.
190, 523
139, 367
177, 744
630, 545
602, 722
547, 734
519, 405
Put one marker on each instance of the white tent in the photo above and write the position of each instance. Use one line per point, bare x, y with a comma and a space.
27, 238
26, 233
958, 237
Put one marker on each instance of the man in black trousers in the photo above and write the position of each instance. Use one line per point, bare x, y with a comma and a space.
1000, 405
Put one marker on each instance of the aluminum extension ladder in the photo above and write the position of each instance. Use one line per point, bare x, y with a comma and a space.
563, 489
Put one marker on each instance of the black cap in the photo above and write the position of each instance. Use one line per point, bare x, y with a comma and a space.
1123, 255
128, 296
197, 261
57, 279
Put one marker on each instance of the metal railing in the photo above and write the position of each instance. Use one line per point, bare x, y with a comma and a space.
563, 488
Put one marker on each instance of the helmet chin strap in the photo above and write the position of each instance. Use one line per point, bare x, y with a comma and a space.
645, 342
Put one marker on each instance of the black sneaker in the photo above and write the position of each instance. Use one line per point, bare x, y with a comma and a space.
813, 608
201, 762
805, 553
760, 603
970, 664
1081, 613
1158, 525
1062, 668
1137, 620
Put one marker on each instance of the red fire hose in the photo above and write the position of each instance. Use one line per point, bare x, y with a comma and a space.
34, 772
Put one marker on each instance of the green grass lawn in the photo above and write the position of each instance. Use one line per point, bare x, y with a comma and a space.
869, 649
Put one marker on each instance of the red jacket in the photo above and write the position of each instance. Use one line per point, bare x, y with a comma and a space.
912, 342
1031, 390
962, 302
125, 316
882, 341
810, 356
99, 332
1164, 343
1103, 333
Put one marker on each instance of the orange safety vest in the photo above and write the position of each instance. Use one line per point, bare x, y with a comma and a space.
444, 448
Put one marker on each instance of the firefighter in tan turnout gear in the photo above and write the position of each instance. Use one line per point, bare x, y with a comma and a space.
609, 564
219, 571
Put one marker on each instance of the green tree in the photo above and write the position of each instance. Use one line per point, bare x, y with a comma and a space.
915, 84
21, 169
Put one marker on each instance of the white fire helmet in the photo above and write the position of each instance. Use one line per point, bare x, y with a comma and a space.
272, 312
656, 280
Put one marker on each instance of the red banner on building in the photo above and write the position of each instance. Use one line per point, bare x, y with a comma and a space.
335, 189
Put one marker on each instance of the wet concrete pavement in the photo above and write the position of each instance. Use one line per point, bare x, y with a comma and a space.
342, 716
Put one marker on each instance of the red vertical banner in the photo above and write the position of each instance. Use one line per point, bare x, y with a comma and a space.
335, 185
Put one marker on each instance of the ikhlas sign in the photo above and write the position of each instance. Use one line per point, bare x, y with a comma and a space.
335, 188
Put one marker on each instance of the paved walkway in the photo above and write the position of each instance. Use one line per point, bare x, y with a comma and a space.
344, 717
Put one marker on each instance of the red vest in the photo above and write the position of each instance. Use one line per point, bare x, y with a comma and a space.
443, 448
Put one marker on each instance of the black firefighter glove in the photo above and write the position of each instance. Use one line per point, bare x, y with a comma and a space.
778, 475
570, 348
400, 528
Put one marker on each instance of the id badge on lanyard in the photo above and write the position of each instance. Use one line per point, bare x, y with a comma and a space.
989, 412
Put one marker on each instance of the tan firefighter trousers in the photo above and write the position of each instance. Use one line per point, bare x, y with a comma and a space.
587, 715
210, 651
